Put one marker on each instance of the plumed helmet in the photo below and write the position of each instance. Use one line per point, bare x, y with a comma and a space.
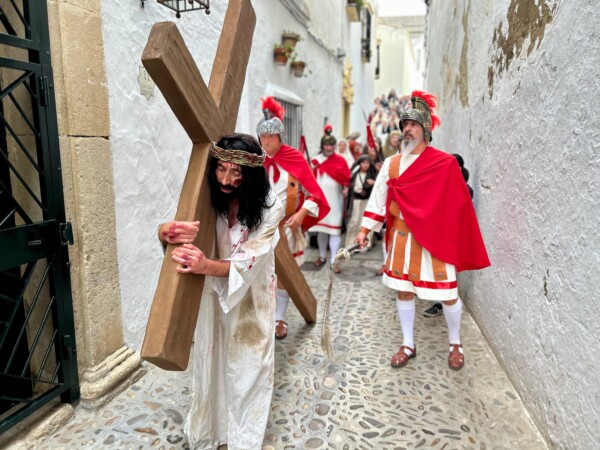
271, 123
328, 139
423, 111
327, 130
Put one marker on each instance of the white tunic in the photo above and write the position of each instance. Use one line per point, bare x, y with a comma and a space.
234, 342
347, 155
334, 193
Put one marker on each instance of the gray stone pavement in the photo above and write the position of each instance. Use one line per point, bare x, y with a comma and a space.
355, 401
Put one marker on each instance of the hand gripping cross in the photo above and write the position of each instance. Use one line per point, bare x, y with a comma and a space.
205, 113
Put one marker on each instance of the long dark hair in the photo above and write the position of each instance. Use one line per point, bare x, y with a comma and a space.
254, 189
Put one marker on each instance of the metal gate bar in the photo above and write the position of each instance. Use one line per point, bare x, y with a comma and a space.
38, 362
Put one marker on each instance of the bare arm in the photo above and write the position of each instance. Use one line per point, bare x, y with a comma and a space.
361, 237
296, 220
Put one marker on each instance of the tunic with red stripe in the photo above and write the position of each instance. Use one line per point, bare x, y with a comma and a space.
432, 232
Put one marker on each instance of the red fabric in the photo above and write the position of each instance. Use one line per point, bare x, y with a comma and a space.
436, 206
335, 166
370, 139
293, 162
374, 216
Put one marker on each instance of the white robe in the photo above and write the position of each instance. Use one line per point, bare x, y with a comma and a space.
234, 343
334, 193
347, 155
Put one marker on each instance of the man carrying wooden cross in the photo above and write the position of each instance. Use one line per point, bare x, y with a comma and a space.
234, 344
295, 185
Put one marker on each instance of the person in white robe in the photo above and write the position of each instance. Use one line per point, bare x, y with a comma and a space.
343, 150
333, 175
234, 343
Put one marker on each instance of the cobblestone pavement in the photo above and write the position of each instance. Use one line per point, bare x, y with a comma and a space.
355, 401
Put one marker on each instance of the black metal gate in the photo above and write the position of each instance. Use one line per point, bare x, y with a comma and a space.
37, 338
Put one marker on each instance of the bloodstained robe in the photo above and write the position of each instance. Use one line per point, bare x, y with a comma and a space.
234, 342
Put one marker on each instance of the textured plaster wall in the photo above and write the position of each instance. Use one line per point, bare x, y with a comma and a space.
518, 84
151, 150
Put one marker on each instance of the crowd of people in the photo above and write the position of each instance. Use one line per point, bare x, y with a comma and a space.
264, 191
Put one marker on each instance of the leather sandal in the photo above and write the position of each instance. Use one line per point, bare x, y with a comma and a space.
404, 354
319, 262
456, 358
336, 268
280, 329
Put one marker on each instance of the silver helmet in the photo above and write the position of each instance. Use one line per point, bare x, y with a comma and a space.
270, 125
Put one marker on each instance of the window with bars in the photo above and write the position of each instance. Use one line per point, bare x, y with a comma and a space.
292, 121
366, 34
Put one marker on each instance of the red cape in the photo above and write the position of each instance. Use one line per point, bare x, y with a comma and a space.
436, 206
335, 166
293, 162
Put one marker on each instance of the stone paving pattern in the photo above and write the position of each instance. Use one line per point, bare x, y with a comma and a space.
355, 401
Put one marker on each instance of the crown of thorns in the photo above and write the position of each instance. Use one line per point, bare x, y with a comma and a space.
239, 157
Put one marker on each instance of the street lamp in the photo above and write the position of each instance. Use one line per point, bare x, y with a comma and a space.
180, 6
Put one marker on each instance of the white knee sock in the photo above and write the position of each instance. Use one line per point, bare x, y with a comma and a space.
334, 246
322, 241
406, 313
452, 314
282, 298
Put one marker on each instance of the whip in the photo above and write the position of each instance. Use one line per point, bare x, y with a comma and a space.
342, 254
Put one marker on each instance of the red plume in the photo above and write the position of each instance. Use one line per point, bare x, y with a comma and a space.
273, 106
327, 128
432, 103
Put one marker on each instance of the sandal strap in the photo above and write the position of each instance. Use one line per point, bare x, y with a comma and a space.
459, 347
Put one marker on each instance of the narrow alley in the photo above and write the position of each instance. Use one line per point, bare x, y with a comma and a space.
356, 401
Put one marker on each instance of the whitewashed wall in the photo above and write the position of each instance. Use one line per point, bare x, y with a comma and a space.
524, 115
397, 61
151, 150
363, 73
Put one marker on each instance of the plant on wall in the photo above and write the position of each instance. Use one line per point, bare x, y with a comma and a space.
290, 38
281, 53
353, 8
296, 65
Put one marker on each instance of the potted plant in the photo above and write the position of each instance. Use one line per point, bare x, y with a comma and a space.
281, 53
353, 10
290, 38
297, 66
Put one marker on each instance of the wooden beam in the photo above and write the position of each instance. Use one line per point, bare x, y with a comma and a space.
229, 68
294, 282
172, 67
176, 303
174, 312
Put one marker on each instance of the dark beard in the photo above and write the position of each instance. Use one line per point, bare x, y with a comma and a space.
220, 200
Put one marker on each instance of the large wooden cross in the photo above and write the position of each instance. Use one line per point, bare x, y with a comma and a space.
205, 113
